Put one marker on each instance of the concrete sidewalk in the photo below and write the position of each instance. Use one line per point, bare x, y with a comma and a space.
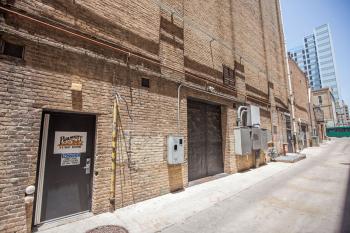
159, 213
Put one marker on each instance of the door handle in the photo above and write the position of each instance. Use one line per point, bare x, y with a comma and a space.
87, 166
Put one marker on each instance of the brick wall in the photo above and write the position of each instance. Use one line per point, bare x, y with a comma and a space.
300, 86
194, 43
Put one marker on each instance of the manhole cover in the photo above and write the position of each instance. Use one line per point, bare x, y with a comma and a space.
108, 229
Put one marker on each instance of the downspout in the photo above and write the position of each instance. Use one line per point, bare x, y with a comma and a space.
310, 116
291, 95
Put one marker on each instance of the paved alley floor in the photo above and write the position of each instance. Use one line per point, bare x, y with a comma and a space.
312, 195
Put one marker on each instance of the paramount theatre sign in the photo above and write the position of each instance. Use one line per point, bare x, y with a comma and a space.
70, 142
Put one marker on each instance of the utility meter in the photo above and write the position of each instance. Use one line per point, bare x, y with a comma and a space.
175, 150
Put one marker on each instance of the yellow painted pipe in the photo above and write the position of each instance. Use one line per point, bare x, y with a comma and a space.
114, 157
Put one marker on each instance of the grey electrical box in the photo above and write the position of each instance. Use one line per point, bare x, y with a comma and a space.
175, 150
253, 116
243, 142
264, 139
256, 138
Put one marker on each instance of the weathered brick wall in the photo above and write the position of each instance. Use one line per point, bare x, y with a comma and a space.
246, 162
327, 105
300, 88
246, 31
300, 92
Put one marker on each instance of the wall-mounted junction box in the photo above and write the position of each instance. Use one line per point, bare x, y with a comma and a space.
264, 139
253, 116
256, 138
248, 139
243, 142
175, 150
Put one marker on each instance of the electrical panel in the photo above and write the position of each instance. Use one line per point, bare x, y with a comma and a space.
256, 138
264, 139
243, 142
175, 150
253, 118
248, 139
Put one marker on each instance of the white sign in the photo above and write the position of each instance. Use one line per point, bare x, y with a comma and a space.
70, 159
70, 142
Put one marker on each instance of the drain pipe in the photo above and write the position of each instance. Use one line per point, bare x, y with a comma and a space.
289, 75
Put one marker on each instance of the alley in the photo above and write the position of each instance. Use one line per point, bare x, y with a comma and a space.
313, 196
308, 196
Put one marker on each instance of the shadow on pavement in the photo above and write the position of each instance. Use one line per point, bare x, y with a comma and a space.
345, 225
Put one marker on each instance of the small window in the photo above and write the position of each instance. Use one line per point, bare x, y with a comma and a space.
12, 50
145, 82
320, 100
275, 129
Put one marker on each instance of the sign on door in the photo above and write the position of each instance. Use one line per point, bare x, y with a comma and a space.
70, 142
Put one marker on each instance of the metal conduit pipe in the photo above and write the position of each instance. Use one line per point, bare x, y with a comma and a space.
200, 90
239, 115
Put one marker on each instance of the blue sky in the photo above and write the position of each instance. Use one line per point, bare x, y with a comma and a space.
301, 16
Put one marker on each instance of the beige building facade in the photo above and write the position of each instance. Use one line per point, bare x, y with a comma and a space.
92, 90
303, 113
324, 99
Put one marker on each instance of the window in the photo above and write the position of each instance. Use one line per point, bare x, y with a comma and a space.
12, 50
320, 100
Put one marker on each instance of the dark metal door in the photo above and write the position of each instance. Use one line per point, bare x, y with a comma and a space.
205, 157
68, 165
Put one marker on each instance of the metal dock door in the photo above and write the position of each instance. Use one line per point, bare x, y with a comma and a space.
205, 156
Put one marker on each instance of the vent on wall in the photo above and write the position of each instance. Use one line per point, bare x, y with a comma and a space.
229, 77
12, 50
145, 82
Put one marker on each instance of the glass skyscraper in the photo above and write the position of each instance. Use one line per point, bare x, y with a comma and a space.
316, 58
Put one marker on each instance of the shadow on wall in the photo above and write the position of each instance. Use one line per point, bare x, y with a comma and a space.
345, 225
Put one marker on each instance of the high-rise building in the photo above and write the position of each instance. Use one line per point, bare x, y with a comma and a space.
316, 58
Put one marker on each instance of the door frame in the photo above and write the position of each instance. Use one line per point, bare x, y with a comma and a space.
41, 162
216, 104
